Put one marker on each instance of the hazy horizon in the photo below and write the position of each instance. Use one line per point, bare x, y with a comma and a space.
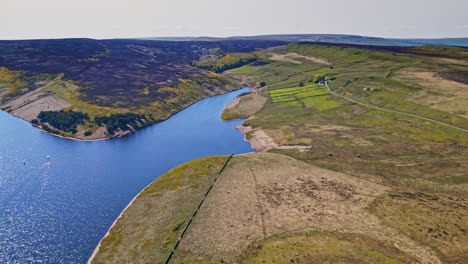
28, 19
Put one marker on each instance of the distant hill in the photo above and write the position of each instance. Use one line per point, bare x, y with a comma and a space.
138, 82
462, 42
170, 38
333, 38
330, 38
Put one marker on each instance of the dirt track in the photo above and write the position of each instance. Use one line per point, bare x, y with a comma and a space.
290, 57
394, 111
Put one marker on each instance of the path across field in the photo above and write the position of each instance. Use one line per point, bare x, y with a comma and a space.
394, 111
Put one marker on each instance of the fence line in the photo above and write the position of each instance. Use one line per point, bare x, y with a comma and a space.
196, 210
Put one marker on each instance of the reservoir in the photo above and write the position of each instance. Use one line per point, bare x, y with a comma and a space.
56, 210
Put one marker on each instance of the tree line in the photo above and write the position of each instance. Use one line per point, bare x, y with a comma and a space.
66, 121
224, 67
115, 121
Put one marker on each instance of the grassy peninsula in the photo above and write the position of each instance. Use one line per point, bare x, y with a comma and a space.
335, 181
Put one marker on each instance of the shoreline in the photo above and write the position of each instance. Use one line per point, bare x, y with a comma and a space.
126, 134
60, 136
244, 130
65, 137
96, 249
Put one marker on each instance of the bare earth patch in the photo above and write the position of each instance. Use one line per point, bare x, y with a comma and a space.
30, 111
262, 141
290, 57
232, 104
100, 133
29, 105
266, 140
299, 148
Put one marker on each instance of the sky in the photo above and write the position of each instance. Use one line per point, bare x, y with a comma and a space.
101, 19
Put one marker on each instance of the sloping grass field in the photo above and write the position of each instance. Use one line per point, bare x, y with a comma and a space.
344, 183
405, 153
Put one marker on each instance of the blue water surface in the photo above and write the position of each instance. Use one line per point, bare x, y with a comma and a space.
58, 212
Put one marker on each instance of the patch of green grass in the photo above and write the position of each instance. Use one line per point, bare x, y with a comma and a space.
226, 62
322, 103
112, 241
462, 179
296, 93
279, 91
316, 247
16, 83
245, 70
13, 81
183, 174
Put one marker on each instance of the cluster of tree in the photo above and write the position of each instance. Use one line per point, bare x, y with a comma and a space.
63, 120
319, 78
115, 121
224, 67
50, 130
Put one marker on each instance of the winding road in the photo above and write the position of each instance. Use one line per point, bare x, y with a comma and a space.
393, 111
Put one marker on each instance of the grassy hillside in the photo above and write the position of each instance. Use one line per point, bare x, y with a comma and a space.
424, 163
148, 230
257, 212
103, 77
303, 113
336, 181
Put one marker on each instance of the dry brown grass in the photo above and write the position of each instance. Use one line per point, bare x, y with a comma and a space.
434, 219
263, 202
262, 195
441, 94
244, 106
